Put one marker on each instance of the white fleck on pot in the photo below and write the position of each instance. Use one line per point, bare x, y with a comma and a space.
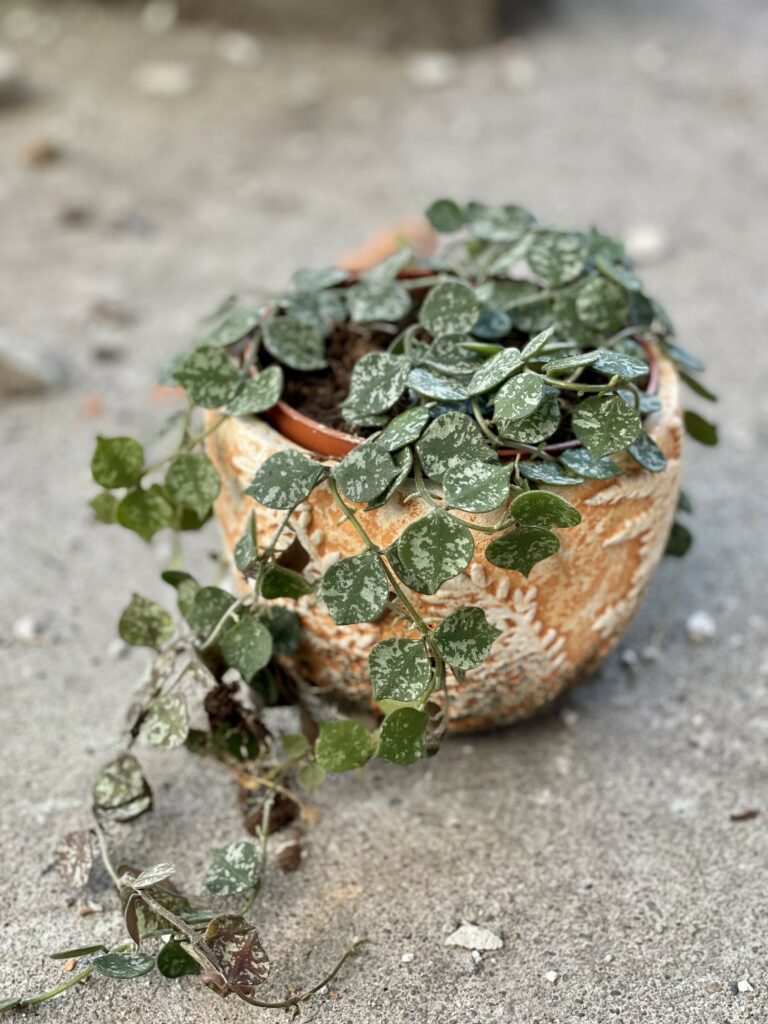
557, 625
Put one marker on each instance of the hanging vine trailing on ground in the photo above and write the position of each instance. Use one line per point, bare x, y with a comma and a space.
520, 357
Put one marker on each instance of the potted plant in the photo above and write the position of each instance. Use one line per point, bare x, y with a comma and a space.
444, 484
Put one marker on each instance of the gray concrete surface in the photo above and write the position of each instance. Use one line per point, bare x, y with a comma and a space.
597, 842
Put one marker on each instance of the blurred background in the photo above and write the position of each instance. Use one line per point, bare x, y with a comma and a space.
156, 157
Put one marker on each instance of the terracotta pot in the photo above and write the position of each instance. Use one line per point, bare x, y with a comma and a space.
558, 624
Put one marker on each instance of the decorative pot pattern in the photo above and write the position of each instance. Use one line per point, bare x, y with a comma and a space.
558, 624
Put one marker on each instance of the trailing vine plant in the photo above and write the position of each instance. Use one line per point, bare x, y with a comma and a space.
520, 357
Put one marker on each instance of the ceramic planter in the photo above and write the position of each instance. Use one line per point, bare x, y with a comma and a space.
557, 625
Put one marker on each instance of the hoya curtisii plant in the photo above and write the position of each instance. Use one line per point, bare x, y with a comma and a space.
517, 359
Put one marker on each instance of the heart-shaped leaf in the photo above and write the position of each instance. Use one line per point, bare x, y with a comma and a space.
123, 966
192, 482
208, 608
541, 508
521, 549
258, 393
209, 377
602, 304
145, 624
121, 791
567, 364
436, 548
370, 301
498, 223
237, 950
557, 256
404, 429
452, 439
679, 541
321, 309
233, 869
355, 589
535, 428
365, 472
549, 473
699, 428
402, 737
464, 639
153, 876
317, 278
247, 647
495, 371
295, 343
476, 486
235, 325
104, 507
145, 512
73, 858
310, 776
399, 669
451, 307
378, 380
647, 453
619, 364
432, 385
581, 462
605, 424
454, 354
535, 348
519, 397
281, 582
342, 746
445, 216
173, 961
117, 462
616, 272
167, 722
492, 324
404, 465
389, 269
285, 479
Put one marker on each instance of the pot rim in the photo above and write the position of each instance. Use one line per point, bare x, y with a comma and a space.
331, 443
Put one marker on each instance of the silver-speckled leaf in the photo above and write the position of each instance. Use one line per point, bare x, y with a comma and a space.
355, 589
453, 354
246, 553
233, 869
311, 279
167, 722
370, 301
569, 327
618, 273
145, 512
399, 669
231, 328
258, 393
209, 606
342, 746
365, 472
247, 647
495, 371
123, 966
117, 461
540, 425
285, 479
295, 343
404, 465
451, 307
492, 324
519, 397
445, 215
321, 309
120, 790
605, 424
536, 347
580, 461
647, 453
464, 639
378, 380
73, 858
549, 473
567, 364
402, 736
436, 548
145, 624
521, 549
192, 482
557, 256
452, 439
476, 486
236, 948
209, 377
153, 876
498, 223
619, 364
541, 508
388, 269
404, 429
431, 385
602, 304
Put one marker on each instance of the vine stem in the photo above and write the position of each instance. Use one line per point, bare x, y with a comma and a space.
233, 608
51, 993
568, 386
264, 835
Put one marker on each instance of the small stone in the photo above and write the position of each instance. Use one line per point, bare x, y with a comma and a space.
608, 958
744, 986
646, 243
164, 80
472, 936
629, 658
569, 717
240, 49
700, 627
407, 958
42, 152
551, 977
289, 857
117, 649
27, 629
477, 956
23, 371
650, 653
432, 69
159, 16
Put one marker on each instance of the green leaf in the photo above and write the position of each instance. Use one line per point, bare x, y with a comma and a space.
569, 327
209, 377
342, 746
432, 385
580, 461
602, 304
370, 301
355, 589
532, 317
476, 486
192, 482
390, 267
237, 324
399, 669
519, 397
247, 647
498, 223
407, 576
436, 548
74, 954
557, 256
540, 508
117, 462
284, 626
316, 279
258, 393
281, 582
567, 364
682, 359
365, 472
320, 309
534, 348
538, 426
404, 465
647, 453
153, 876
465, 638
167, 722
246, 553
451, 440
233, 869
456, 354
618, 364
451, 307
285, 480
378, 380
310, 776
619, 274
209, 607
121, 791
404, 429
492, 324
145, 512
696, 386
173, 961
104, 507
445, 216
297, 344
295, 745
123, 966
605, 424
549, 473
235, 946
679, 542
498, 369
699, 428
145, 624
522, 548
402, 737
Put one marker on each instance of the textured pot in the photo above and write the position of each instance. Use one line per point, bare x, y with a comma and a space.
558, 624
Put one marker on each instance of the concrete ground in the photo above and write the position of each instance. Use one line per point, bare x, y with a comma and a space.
598, 842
